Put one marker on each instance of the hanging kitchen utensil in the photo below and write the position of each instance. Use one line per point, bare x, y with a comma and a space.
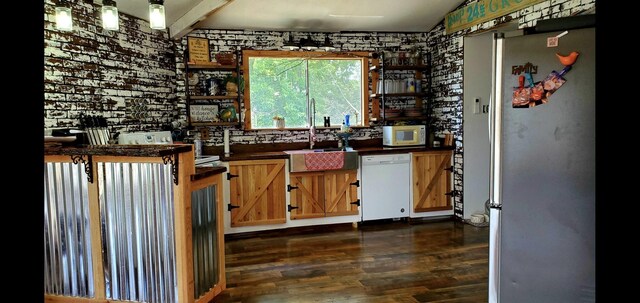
520, 94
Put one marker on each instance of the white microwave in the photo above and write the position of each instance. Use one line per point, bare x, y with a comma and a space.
404, 135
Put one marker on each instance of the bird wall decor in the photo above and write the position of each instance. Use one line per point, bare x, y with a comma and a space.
569, 59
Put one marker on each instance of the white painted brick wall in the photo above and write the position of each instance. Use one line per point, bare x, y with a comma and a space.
93, 71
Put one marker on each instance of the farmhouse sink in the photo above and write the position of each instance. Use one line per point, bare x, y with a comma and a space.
321, 159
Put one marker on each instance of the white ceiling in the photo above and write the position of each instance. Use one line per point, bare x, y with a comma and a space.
300, 15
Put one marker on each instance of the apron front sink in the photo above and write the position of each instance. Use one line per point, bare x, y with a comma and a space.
319, 160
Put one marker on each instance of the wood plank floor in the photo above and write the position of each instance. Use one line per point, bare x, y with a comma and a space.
442, 261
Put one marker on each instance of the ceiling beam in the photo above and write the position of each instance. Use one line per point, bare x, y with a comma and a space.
186, 23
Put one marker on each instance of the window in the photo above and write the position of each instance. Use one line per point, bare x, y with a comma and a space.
283, 83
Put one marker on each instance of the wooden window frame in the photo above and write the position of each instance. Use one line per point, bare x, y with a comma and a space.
362, 56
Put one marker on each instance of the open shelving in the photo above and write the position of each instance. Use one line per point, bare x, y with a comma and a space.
234, 70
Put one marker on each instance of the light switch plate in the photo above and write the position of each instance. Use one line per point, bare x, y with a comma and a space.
476, 106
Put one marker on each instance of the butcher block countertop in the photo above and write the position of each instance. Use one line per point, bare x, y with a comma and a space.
152, 150
362, 151
203, 172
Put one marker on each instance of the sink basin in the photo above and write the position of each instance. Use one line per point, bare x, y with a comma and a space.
321, 159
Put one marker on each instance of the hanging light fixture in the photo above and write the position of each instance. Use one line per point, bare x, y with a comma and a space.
327, 45
64, 22
156, 14
308, 43
109, 15
290, 45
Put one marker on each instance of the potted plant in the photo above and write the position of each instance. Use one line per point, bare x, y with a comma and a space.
278, 121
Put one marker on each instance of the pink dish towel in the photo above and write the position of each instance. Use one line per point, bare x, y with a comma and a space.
324, 160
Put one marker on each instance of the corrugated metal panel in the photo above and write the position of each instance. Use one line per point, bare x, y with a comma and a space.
67, 237
205, 239
136, 201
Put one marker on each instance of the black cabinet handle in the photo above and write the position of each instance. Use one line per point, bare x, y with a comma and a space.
450, 168
451, 193
289, 207
230, 207
229, 176
289, 187
357, 183
357, 202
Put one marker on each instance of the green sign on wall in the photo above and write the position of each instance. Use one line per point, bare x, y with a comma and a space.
481, 11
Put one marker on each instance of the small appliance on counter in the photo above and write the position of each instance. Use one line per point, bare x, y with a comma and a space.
66, 136
208, 161
161, 137
404, 135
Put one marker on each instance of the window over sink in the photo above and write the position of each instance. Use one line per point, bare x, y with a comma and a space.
283, 84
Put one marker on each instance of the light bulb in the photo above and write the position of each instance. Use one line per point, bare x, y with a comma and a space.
109, 15
63, 18
156, 15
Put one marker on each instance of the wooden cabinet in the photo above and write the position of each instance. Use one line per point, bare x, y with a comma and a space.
341, 193
306, 195
257, 189
323, 194
431, 181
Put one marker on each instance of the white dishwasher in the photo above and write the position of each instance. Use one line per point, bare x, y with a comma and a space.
385, 186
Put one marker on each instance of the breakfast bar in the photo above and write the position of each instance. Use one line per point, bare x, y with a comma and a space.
131, 223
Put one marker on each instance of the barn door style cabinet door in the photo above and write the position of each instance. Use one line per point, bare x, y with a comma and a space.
431, 181
323, 194
258, 191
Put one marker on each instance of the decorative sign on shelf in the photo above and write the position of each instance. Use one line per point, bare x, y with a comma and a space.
481, 11
198, 50
204, 113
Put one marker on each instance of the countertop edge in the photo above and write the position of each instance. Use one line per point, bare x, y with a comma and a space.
204, 172
361, 152
151, 150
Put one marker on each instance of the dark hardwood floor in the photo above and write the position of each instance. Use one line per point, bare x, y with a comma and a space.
442, 261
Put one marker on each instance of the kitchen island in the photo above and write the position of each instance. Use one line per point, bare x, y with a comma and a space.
131, 223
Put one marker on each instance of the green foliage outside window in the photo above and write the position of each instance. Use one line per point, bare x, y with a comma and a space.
278, 87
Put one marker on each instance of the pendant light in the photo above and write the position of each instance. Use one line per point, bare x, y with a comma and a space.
156, 14
109, 15
290, 45
64, 22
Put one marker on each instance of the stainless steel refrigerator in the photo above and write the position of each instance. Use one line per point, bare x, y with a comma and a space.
542, 225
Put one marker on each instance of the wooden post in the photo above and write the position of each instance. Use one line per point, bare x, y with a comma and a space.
183, 233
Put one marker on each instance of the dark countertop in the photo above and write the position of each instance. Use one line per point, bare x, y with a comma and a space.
255, 156
362, 151
152, 150
366, 151
203, 172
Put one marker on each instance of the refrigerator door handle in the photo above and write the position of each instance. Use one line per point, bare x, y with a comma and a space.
496, 121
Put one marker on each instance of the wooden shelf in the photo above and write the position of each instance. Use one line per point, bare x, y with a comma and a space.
211, 66
399, 95
213, 97
405, 118
214, 123
400, 67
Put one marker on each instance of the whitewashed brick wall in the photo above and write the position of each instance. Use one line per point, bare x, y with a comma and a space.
96, 72
447, 52
230, 40
93, 71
